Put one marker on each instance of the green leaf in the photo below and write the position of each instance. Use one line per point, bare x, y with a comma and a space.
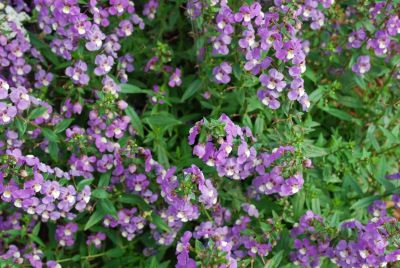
152, 262
76, 258
159, 222
99, 194
115, 252
108, 207
83, 183
162, 120
317, 94
381, 172
360, 82
315, 205
135, 120
37, 112
132, 89
97, 216
338, 113
36, 239
21, 126
134, 200
259, 126
265, 227
237, 71
364, 202
63, 125
310, 74
311, 151
191, 90
36, 229
371, 137
104, 179
275, 261
49, 134
53, 150
298, 204
44, 48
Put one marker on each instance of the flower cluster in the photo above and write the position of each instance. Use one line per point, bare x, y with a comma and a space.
47, 199
231, 150
368, 248
378, 36
263, 44
65, 234
94, 118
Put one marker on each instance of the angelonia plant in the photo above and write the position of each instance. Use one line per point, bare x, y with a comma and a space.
199, 133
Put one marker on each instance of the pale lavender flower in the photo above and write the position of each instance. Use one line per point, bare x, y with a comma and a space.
222, 73
362, 65
104, 64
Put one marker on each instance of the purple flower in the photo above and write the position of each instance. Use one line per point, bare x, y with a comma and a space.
377, 208
68, 7
380, 43
194, 8
362, 66
96, 239
19, 96
255, 62
224, 20
249, 39
269, 98
292, 185
208, 195
43, 79
78, 73
151, 64
220, 44
125, 28
150, 9
250, 209
393, 25
297, 89
65, 234
95, 38
104, 64
356, 38
175, 79
182, 251
394, 176
221, 73
81, 25
4, 87
273, 81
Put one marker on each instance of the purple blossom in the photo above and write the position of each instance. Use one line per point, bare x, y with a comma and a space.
221, 73
65, 234
150, 9
19, 96
269, 98
78, 73
182, 251
96, 239
104, 64
362, 66
208, 195
273, 81
175, 79
95, 38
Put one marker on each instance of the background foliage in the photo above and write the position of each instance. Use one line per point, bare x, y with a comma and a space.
345, 144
